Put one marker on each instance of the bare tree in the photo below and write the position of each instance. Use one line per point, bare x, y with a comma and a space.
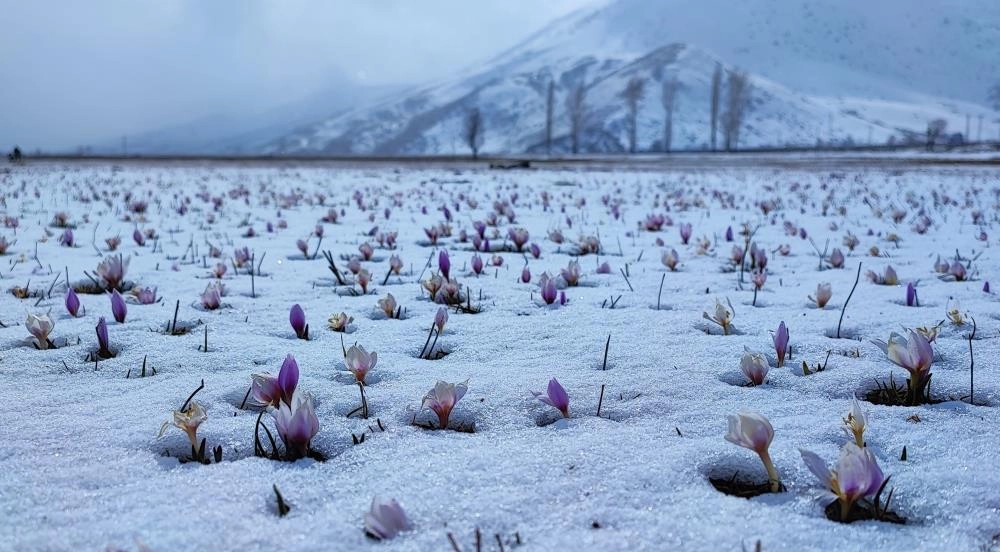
474, 131
550, 109
633, 93
716, 92
669, 100
576, 108
935, 129
737, 105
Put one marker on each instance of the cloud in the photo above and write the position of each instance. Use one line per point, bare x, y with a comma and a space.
80, 72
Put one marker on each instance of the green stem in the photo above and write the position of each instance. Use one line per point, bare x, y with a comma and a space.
772, 474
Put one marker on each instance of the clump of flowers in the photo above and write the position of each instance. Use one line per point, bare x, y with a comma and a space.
442, 398
519, 236
40, 326
268, 390
555, 396
385, 519
339, 322
753, 431
297, 425
722, 316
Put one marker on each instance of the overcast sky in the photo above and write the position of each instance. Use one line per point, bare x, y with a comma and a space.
78, 72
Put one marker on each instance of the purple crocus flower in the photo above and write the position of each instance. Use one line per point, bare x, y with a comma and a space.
562, 298
729, 233
536, 251
139, 239
480, 228
549, 292
297, 318
440, 319
103, 347
66, 239
781, 343
288, 378
477, 264
302, 246
856, 476
986, 287
297, 424
685, 231
911, 295
555, 396
443, 398
118, 308
385, 520
444, 263
525, 274
72, 303
146, 296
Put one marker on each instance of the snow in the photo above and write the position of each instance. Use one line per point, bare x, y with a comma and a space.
81, 467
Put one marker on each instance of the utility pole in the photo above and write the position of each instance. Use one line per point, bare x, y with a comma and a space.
979, 132
967, 138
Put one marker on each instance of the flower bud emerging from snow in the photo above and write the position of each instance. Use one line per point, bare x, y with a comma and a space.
138, 238
444, 263
940, 266
555, 396
303, 247
297, 318
359, 362
685, 232
911, 295
339, 322
388, 305
780, 339
758, 278
548, 289
824, 292
188, 422
118, 308
556, 236
754, 367
855, 423
211, 298
443, 398
39, 326
395, 264
103, 343
836, 259
986, 287
366, 251
753, 431
385, 520
477, 264
723, 317
856, 475
536, 251
670, 259
72, 303
66, 239
519, 236
729, 234
571, 274
112, 271
525, 275
440, 319
957, 271
297, 425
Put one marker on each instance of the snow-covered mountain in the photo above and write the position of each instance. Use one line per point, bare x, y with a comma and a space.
821, 70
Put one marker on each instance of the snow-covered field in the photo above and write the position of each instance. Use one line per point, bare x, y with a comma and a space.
81, 467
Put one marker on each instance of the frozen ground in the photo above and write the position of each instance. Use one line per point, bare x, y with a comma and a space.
81, 467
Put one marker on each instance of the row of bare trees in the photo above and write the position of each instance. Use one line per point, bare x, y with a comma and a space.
734, 107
